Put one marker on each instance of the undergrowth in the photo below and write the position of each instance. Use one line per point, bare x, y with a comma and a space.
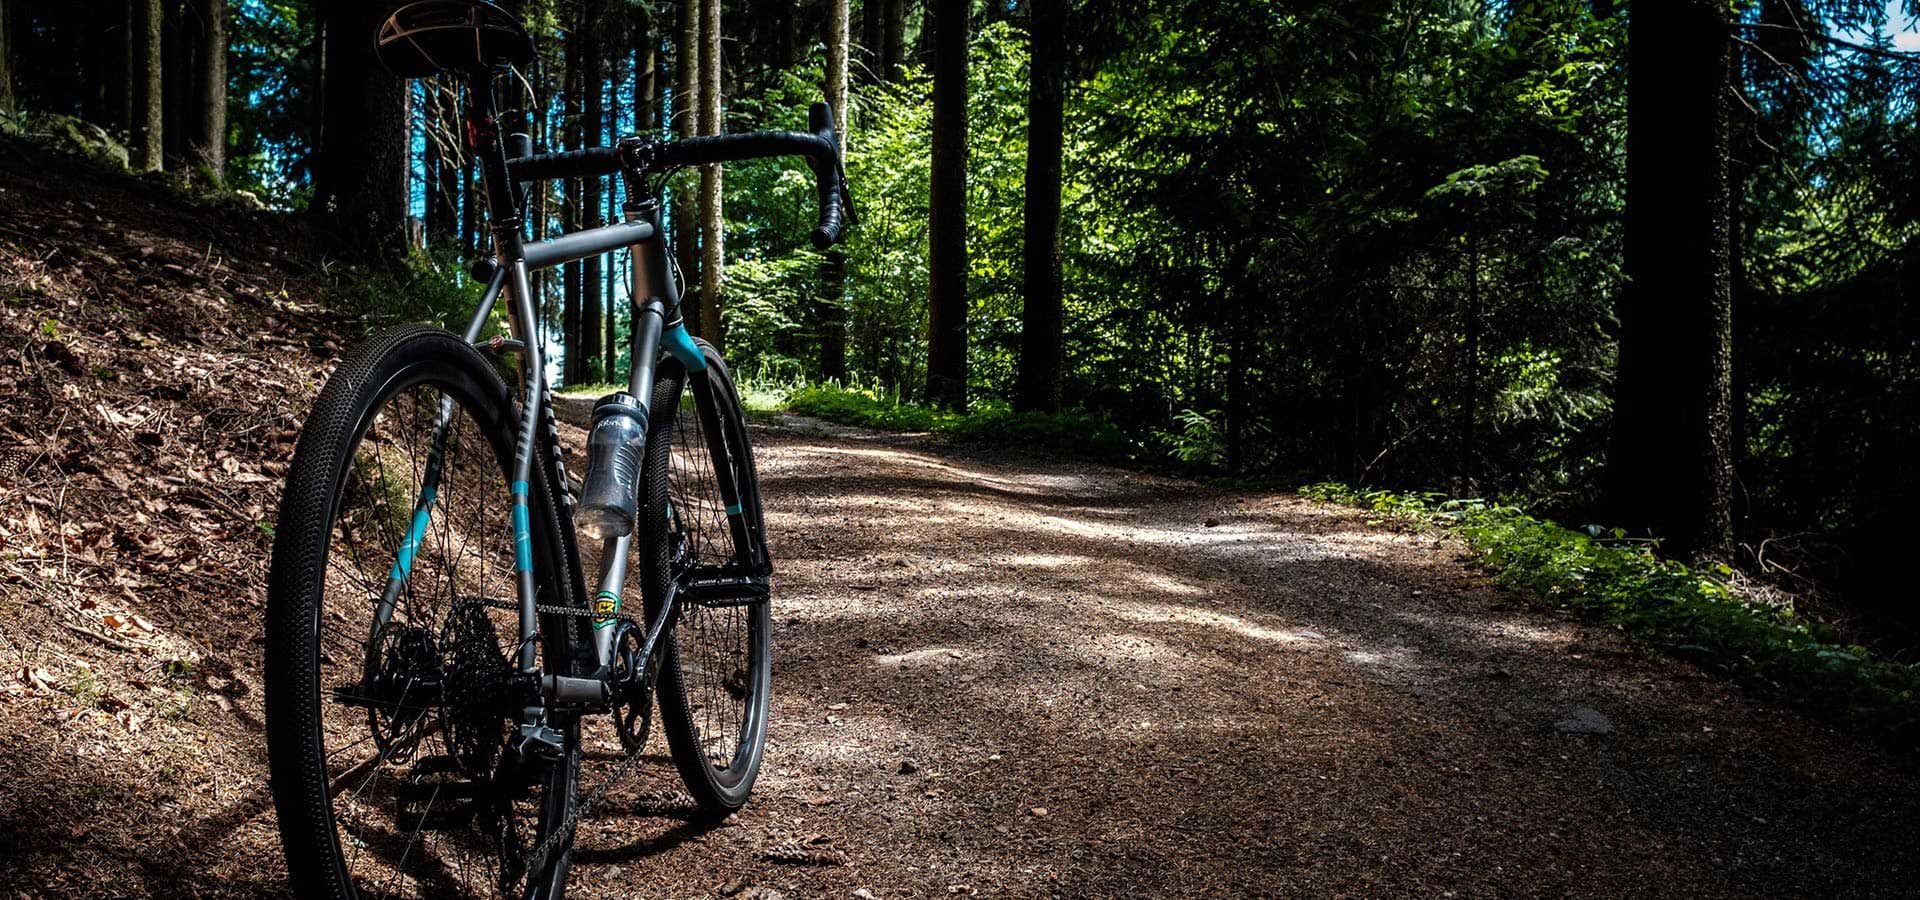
1077, 433
1689, 612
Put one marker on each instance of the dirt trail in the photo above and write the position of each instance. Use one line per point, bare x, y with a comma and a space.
1007, 676
996, 674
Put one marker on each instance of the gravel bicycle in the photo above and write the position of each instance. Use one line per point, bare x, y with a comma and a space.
439, 672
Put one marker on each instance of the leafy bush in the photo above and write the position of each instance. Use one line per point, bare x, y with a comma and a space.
1077, 433
1664, 604
430, 287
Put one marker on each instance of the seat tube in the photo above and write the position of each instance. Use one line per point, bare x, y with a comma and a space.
509, 248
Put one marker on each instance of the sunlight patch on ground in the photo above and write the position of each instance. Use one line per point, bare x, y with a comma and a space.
1048, 560
1388, 658
1034, 485
1172, 614
927, 656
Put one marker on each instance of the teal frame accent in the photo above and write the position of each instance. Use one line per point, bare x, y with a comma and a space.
522, 533
415, 536
680, 346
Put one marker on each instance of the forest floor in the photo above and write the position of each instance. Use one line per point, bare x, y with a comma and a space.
997, 673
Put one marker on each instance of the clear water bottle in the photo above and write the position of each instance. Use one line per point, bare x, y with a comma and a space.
614, 449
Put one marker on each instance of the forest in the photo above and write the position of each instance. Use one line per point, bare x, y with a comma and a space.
1242, 448
1649, 271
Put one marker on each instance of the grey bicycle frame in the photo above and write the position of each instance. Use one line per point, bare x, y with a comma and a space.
651, 277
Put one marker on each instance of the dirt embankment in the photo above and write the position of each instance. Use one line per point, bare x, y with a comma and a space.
996, 674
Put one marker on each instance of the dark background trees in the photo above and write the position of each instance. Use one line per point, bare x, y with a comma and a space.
1638, 265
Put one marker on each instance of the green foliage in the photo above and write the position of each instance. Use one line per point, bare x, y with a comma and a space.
429, 287
1078, 434
1195, 439
1691, 613
773, 313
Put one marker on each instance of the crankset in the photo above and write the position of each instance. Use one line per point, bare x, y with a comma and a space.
632, 687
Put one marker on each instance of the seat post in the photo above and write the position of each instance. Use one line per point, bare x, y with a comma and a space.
484, 141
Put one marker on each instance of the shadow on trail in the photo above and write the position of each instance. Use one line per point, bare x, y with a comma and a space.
1309, 705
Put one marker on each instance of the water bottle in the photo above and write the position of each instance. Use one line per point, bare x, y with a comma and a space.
614, 446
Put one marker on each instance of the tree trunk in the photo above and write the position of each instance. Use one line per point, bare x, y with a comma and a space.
873, 21
645, 68
210, 141
712, 218
360, 187
1669, 468
612, 345
572, 371
443, 202
831, 312
1041, 315
6, 56
893, 47
947, 248
593, 89
686, 123
148, 125
1468, 424
469, 207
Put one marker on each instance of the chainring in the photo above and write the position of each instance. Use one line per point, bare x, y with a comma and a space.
633, 688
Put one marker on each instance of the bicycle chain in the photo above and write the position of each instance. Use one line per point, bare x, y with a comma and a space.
582, 808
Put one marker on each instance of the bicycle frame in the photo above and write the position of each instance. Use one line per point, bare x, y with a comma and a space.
657, 324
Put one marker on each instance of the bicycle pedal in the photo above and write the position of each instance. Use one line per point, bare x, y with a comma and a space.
437, 795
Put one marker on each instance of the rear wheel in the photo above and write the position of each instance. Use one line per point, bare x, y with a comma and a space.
390, 686
708, 546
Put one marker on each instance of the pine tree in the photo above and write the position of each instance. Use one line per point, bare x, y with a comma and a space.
593, 90
147, 124
6, 56
712, 212
1041, 314
1669, 468
831, 313
686, 123
947, 251
209, 143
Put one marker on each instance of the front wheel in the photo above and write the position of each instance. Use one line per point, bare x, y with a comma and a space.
704, 539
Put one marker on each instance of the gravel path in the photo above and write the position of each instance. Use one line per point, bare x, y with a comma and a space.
1007, 676
1010, 676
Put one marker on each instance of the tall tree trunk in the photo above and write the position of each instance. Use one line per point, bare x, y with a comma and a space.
613, 341
873, 29
831, 314
210, 143
443, 202
469, 207
361, 186
1669, 469
645, 73
430, 219
180, 55
593, 89
146, 152
6, 56
1041, 315
947, 249
1468, 424
893, 47
571, 368
686, 123
712, 214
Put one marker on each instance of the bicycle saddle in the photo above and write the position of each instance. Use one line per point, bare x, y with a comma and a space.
464, 36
